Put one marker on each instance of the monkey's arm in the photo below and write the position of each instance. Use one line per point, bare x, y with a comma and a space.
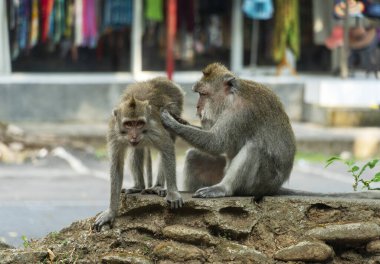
204, 140
117, 153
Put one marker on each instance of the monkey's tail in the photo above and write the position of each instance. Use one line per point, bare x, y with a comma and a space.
355, 195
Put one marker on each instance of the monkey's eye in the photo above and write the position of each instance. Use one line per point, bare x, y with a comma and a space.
134, 124
140, 124
202, 94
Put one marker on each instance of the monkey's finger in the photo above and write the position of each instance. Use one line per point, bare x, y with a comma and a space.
201, 194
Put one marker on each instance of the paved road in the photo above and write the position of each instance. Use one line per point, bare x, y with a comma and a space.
48, 194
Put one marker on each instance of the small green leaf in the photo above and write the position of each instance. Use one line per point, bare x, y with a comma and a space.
349, 163
376, 178
354, 168
372, 163
332, 160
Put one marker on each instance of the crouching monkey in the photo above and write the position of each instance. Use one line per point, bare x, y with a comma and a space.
246, 145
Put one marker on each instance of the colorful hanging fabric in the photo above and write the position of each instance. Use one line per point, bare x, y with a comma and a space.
154, 10
89, 23
69, 20
258, 9
117, 13
34, 24
286, 29
78, 22
59, 20
46, 9
23, 23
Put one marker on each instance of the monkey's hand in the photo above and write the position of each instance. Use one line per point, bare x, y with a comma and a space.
106, 217
168, 120
174, 199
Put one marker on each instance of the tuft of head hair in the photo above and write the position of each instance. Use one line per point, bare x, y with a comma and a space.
214, 68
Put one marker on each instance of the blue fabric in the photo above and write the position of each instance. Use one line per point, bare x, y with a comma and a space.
372, 9
258, 9
117, 13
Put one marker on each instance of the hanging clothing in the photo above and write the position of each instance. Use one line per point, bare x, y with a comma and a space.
23, 23
186, 16
117, 14
89, 23
154, 10
59, 20
46, 10
78, 22
258, 9
286, 29
69, 20
34, 24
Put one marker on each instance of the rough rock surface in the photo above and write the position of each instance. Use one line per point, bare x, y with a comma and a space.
346, 233
226, 230
306, 251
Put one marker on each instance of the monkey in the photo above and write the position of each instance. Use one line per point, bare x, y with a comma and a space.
245, 145
134, 128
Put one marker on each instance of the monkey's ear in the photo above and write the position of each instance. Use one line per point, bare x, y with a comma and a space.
230, 83
114, 112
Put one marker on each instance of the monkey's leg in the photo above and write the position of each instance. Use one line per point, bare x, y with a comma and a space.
136, 165
168, 167
202, 169
117, 165
240, 176
159, 186
148, 168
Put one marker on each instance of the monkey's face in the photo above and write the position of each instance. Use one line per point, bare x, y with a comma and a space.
215, 93
131, 121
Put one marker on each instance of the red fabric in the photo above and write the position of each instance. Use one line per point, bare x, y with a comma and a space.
46, 9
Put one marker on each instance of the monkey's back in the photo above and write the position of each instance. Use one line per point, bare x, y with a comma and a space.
160, 92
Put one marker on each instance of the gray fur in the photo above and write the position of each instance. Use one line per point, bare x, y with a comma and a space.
135, 127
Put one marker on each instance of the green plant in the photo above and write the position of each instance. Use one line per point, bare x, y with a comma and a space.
357, 171
25, 241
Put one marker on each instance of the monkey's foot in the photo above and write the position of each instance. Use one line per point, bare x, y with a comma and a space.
174, 199
131, 190
159, 190
105, 218
211, 192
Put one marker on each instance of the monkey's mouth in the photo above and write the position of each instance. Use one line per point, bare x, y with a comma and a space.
134, 143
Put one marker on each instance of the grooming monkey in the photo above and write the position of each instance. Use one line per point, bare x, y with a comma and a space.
135, 127
246, 145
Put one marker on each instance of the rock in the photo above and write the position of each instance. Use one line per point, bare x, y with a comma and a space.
178, 252
233, 222
373, 246
125, 258
4, 246
305, 251
187, 234
12, 257
230, 251
352, 256
346, 233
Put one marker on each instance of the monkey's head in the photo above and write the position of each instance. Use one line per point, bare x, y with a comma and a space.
216, 91
131, 118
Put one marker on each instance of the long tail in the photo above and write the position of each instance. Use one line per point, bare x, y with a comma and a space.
354, 195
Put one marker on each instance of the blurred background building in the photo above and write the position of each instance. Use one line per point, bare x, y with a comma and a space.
111, 43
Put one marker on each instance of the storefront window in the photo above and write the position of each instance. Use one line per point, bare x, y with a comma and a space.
203, 34
70, 36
